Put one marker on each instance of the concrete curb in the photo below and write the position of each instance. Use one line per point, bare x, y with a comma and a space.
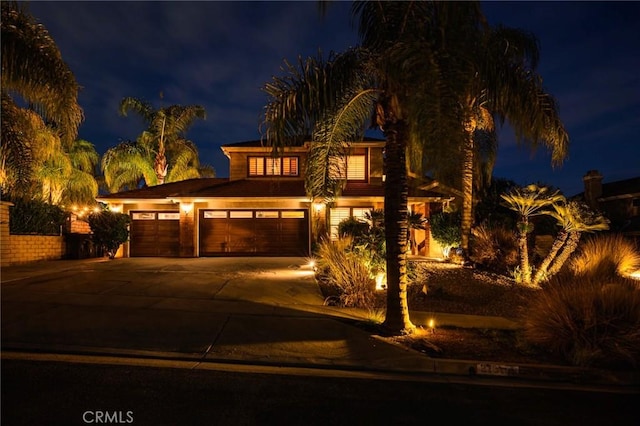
531, 374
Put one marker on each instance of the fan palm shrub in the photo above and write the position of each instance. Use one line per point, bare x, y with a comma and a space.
528, 202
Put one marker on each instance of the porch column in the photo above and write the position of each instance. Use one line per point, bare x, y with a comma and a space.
187, 230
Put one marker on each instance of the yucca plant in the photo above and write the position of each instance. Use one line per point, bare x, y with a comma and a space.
589, 321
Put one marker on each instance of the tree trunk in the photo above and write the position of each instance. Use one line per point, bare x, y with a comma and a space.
160, 167
542, 272
523, 246
396, 222
160, 164
467, 190
570, 246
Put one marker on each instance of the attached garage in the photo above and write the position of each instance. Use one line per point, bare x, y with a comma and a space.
253, 232
154, 234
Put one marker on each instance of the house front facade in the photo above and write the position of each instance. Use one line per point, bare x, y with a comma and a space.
619, 201
262, 208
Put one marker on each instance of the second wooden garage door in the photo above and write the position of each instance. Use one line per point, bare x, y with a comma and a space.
254, 233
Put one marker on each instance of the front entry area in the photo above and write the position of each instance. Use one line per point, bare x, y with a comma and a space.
253, 233
154, 234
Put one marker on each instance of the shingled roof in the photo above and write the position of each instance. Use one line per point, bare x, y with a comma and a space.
166, 190
621, 187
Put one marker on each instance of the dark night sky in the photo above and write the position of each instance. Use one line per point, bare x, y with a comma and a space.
219, 54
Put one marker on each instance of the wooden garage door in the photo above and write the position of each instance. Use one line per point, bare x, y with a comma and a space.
254, 233
154, 234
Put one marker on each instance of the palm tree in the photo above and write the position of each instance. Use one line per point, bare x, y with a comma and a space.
161, 153
33, 69
484, 74
82, 186
528, 202
575, 218
334, 100
63, 177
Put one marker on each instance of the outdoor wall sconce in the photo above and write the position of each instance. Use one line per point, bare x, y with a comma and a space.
186, 207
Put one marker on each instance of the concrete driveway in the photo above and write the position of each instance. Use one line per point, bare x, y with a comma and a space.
258, 310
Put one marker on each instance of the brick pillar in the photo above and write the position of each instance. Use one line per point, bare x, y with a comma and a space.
187, 230
5, 247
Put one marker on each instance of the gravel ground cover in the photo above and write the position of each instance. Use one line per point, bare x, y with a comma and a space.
438, 286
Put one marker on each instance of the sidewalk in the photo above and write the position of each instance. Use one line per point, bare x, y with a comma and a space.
258, 312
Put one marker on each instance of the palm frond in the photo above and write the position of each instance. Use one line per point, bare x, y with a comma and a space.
32, 67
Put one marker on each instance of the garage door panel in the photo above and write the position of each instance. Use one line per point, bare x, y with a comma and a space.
241, 236
213, 236
267, 232
264, 233
153, 237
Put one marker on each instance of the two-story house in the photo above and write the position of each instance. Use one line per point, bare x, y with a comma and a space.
262, 208
619, 201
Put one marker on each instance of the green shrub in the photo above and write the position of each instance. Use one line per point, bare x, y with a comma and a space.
109, 230
446, 228
347, 272
367, 238
35, 217
591, 322
353, 227
605, 256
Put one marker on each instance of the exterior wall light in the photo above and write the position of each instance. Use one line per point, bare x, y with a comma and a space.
116, 208
317, 207
186, 207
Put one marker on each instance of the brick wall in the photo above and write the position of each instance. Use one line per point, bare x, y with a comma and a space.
15, 249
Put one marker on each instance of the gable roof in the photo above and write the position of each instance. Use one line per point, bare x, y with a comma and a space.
622, 187
248, 188
259, 143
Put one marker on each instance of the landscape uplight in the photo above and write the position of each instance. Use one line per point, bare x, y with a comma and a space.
381, 279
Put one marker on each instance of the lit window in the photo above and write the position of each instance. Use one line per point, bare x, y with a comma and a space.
270, 166
338, 214
290, 166
273, 166
356, 167
256, 166
353, 168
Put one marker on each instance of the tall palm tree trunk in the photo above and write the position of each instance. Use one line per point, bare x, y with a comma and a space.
570, 246
467, 190
542, 272
160, 165
396, 226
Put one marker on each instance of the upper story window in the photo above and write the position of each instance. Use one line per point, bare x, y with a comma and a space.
270, 166
354, 167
